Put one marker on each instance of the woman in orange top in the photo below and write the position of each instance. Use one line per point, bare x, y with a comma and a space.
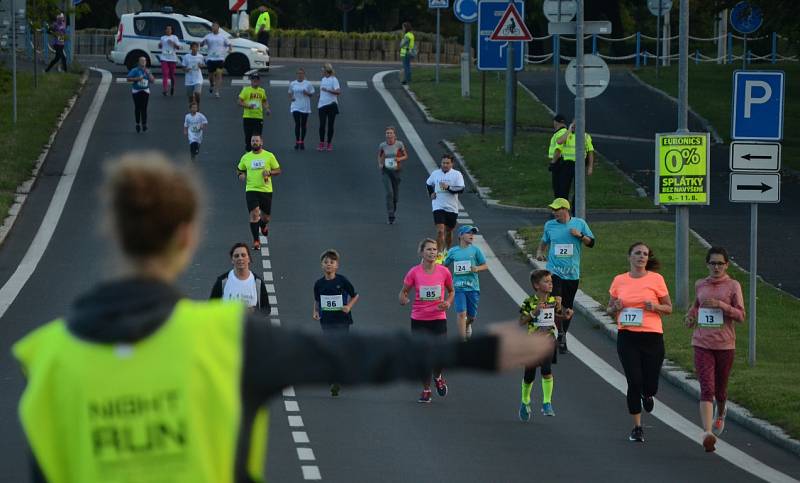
638, 298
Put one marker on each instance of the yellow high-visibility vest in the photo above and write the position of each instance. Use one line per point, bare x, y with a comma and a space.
409, 46
568, 150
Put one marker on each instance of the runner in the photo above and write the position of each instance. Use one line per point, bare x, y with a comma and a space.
718, 305
253, 99
300, 92
192, 63
168, 44
141, 78
467, 260
539, 313
242, 284
194, 125
256, 169
444, 185
334, 298
638, 299
391, 155
433, 295
563, 240
328, 106
218, 47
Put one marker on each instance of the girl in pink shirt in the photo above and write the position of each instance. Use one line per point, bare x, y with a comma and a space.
718, 304
433, 295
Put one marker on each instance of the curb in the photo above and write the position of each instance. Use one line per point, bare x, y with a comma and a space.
595, 312
24, 189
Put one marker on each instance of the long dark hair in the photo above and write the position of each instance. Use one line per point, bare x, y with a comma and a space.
652, 262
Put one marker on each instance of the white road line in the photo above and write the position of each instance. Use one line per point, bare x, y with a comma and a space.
295, 421
305, 454
273, 300
580, 351
288, 391
264, 250
285, 83
240, 82
466, 221
311, 473
270, 288
357, 84
264, 240
291, 406
275, 322
30, 260
300, 437
274, 311
266, 263
268, 276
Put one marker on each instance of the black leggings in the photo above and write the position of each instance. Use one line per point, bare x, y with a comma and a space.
327, 115
300, 122
59, 56
641, 355
566, 289
140, 107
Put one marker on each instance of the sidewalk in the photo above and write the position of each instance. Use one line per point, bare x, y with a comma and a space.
627, 108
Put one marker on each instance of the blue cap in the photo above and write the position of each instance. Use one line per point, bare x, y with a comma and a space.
467, 229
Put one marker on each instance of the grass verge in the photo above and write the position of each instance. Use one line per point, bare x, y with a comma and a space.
710, 91
518, 180
38, 110
445, 103
771, 389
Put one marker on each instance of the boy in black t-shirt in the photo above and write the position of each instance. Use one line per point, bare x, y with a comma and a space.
334, 298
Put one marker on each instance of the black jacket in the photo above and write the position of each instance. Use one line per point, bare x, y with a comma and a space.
261, 289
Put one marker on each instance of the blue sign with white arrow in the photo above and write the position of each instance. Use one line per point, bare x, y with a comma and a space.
492, 54
466, 10
758, 98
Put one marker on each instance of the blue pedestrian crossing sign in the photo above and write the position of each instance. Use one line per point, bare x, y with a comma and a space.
758, 98
493, 54
438, 3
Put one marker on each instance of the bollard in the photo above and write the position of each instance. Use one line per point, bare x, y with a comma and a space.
594, 44
774, 47
638, 48
730, 47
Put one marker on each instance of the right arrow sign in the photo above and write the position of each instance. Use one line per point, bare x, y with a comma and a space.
752, 156
755, 187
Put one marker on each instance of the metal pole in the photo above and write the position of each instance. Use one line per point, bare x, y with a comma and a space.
466, 61
73, 35
14, 61
438, 24
751, 340
509, 127
744, 53
483, 102
557, 63
774, 57
682, 212
658, 40
580, 118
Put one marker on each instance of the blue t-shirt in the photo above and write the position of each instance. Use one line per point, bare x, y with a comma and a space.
142, 85
463, 259
564, 254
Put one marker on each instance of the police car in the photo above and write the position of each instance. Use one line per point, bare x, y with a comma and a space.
138, 35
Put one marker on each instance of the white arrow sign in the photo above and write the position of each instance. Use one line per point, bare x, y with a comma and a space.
751, 156
755, 188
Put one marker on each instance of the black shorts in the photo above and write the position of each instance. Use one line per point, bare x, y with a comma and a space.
214, 65
566, 289
430, 327
259, 199
446, 218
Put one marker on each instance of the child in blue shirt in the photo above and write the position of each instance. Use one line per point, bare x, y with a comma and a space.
467, 261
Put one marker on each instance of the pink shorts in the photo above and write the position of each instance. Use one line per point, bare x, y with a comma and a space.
713, 368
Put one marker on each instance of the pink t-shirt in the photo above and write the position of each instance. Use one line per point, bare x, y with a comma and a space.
428, 290
731, 303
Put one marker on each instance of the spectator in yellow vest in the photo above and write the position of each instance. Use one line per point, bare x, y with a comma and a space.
408, 50
263, 26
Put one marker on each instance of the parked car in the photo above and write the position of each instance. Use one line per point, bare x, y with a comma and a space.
138, 35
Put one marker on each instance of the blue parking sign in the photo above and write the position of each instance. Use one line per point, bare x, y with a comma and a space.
493, 55
758, 105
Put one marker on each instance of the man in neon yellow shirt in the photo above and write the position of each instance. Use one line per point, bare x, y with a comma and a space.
256, 168
566, 175
263, 26
408, 51
253, 99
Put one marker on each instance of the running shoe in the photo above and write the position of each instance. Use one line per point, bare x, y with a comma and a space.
709, 440
335, 388
330, 146
164, 93
256, 244
296, 145
441, 386
144, 127
547, 409
719, 424
525, 412
425, 397
391, 220
216, 94
648, 403
302, 146
322, 147
468, 332
637, 434
138, 128
562, 343
211, 89
265, 229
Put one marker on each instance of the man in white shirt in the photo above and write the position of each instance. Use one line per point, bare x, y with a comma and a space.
444, 185
218, 48
242, 284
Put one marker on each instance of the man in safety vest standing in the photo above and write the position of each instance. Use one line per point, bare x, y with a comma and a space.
566, 172
263, 26
408, 50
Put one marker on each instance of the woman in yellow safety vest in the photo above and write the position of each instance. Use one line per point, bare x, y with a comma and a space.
140, 384
408, 50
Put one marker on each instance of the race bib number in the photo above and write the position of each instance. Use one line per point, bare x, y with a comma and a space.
430, 292
331, 302
631, 317
564, 250
390, 163
195, 129
258, 164
253, 105
439, 188
462, 267
547, 318
144, 83
710, 318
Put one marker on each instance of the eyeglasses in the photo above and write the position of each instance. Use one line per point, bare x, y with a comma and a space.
717, 264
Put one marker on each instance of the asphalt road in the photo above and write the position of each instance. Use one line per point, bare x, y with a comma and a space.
335, 200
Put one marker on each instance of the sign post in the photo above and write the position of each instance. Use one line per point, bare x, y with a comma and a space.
746, 19
558, 11
467, 12
659, 8
438, 5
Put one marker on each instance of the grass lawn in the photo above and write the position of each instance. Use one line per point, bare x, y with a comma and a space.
523, 179
445, 102
37, 112
771, 389
710, 91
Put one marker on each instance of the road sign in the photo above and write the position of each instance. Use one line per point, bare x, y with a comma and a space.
589, 28
758, 98
567, 9
492, 55
664, 6
438, 3
236, 5
682, 162
755, 188
746, 156
466, 10
127, 6
595, 75
511, 27
746, 18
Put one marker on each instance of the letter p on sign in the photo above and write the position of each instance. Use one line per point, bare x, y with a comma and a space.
749, 95
758, 98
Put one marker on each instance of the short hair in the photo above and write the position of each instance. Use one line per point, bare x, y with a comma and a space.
328, 68
407, 26
424, 242
331, 254
239, 245
391, 128
717, 251
449, 156
194, 44
538, 275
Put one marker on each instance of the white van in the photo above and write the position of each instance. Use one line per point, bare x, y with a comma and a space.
138, 35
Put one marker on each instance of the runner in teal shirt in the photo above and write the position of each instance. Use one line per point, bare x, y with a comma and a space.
467, 261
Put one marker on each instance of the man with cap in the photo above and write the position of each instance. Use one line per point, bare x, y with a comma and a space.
253, 99
563, 240
566, 171
467, 261
554, 153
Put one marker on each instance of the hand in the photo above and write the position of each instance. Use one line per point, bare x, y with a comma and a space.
649, 305
615, 305
540, 257
572, 126
569, 313
444, 185
269, 112
710, 303
266, 174
690, 321
242, 177
443, 305
433, 196
315, 315
514, 349
403, 299
574, 232
346, 309
589, 170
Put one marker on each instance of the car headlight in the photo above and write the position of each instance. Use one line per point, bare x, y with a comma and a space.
258, 51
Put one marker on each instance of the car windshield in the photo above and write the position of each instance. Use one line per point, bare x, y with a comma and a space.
200, 29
